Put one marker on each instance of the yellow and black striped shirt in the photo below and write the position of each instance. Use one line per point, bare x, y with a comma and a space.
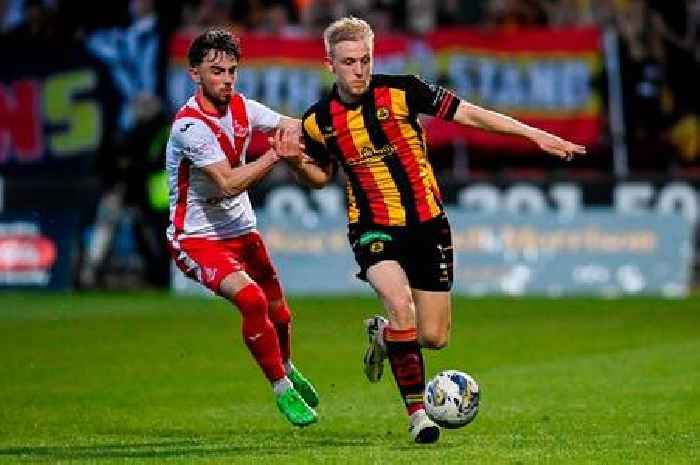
379, 142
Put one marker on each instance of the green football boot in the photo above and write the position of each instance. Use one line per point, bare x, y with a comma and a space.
304, 387
292, 405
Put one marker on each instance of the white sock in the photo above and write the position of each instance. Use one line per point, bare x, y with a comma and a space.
281, 386
288, 366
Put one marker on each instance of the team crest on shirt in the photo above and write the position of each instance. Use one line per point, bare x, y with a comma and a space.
239, 130
382, 113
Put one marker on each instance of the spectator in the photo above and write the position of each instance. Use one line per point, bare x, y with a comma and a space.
277, 21
130, 172
681, 33
317, 14
11, 15
421, 17
514, 13
568, 13
456, 12
135, 60
645, 83
36, 25
133, 56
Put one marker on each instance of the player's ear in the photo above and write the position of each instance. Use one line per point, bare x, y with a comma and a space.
328, 61
194, 74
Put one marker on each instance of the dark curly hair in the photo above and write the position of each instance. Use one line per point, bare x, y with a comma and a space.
218, 40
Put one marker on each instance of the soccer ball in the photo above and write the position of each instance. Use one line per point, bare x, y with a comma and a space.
451, 399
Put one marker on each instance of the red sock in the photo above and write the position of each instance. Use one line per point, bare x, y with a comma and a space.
258, 332
281, 317
406, 362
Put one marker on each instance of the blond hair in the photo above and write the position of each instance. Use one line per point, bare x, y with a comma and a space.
348, 28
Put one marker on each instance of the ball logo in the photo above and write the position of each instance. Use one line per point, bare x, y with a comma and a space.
438, 396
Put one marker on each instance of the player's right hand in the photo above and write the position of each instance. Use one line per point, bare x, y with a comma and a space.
556, 145
287, 143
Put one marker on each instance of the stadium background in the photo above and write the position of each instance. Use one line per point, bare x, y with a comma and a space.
86, 94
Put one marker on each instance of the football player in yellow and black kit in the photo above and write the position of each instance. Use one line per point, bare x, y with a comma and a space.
398, 229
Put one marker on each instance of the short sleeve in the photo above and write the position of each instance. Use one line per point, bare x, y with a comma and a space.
313, 140
431, 99
196, 142
262, 117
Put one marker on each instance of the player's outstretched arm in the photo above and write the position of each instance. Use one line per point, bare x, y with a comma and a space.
472, 115
233, 181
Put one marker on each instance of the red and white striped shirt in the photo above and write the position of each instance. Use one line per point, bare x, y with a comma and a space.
199, 138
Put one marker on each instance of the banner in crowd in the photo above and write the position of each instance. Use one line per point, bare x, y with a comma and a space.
53, 111
544, 77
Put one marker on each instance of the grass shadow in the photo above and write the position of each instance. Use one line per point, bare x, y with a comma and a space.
226, 443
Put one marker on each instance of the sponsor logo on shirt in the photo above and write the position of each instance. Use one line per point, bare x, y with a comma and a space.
371, 154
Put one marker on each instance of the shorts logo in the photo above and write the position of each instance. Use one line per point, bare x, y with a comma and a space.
382, 113
376, 247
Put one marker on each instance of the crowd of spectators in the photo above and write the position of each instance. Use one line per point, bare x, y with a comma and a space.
660, 44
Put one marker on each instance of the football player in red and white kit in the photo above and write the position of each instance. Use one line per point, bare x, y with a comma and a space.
212, 233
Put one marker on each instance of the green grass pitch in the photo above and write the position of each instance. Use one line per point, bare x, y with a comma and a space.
155, 379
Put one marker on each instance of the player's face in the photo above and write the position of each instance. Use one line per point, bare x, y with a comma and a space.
351, 63
217, 76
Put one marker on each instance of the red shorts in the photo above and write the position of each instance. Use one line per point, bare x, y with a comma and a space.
209, 261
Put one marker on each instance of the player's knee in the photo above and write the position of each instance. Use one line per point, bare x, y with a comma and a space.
433, 339
251, 301
279, 312
401, 306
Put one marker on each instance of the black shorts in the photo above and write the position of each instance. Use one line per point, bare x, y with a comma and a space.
424, 251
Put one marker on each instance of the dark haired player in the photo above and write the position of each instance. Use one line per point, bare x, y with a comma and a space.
212, 234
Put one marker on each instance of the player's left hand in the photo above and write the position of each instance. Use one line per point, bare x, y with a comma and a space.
556, 145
